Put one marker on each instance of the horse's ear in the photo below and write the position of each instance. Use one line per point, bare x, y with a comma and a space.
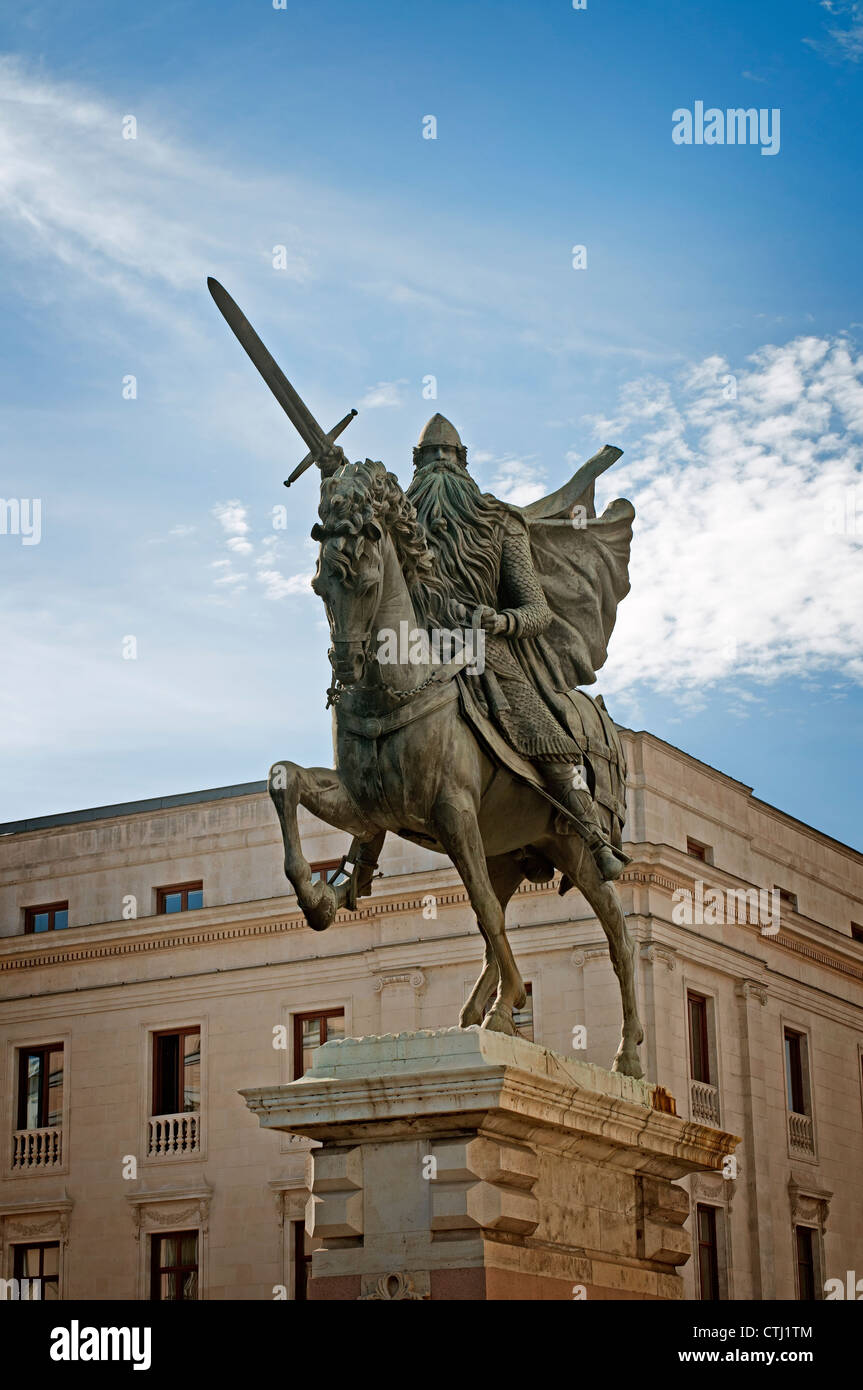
318, 532
372, 531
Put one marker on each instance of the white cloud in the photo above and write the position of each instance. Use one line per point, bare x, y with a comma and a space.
386, 393
748, 540
519, 481
232, 517
277, 585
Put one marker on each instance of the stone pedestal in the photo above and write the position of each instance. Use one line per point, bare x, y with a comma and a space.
463, 1164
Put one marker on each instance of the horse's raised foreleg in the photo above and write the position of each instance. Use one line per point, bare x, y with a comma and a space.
505, 874
457, 829
321, 791
573, 856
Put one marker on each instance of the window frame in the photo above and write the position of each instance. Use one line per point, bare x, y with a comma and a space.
334, 1011
18, 1251
325, 867
698, 850
814, 1236
43, 1050
712, 1247
801, 1056
184, 889
787, 899
693, 996
31, 913
157, 1269
157, 1078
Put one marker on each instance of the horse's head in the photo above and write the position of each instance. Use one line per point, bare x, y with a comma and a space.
350, 571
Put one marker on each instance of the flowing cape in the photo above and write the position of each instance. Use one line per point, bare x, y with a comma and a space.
582, 562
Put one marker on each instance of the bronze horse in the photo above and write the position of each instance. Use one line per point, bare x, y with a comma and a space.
409, 761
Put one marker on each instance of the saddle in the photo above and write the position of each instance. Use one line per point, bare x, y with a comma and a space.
591, 727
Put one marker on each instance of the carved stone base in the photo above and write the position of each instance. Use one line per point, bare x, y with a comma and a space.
464, 1164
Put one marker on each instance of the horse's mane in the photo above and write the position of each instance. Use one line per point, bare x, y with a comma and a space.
360, 493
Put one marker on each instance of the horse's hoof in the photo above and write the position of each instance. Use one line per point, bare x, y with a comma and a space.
626, 1063
499, 1020
469, 1017
322, 914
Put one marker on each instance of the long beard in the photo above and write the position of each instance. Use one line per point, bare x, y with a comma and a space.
464, 532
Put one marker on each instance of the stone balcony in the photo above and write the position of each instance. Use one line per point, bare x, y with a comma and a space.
174, 1136
704, 1103
37, 1150
801, 1134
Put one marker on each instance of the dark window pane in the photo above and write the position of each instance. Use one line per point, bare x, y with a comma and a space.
794, 1073
196, 898
61, 918
167, 1099
805, 1263
708, 1254
189, 1249
173, 902
699, 1050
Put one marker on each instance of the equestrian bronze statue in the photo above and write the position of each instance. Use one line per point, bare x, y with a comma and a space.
461, 630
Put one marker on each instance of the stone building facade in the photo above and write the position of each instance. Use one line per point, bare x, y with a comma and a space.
153, 965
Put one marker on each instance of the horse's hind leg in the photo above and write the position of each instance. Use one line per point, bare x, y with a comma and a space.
572, 856
321, 791
457, 830
505, 875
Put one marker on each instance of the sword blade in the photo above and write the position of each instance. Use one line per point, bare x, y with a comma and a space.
294, 407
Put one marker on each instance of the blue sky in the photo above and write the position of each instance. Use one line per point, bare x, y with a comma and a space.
714, 335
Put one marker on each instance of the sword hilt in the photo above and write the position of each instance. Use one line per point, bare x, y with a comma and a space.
313, 457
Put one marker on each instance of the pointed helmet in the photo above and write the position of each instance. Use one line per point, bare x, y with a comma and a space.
439, 430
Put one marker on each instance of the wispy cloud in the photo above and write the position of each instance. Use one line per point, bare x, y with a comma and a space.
748, 541
844, 42
518, 481
386, 393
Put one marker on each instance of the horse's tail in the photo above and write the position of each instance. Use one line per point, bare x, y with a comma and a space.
596, 734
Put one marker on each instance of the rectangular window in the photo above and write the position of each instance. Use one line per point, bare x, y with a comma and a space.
786, 898
177, 1072
304, 1247
41, 1265
40, 1086
856, 932
313, 1030
180, 897
326, 869
805, 1243
699, 1049
174, 1267
795, 1088
50, 917
697, 850
523, 1018
708, 1253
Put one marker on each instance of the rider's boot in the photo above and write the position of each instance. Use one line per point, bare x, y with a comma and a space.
567, 783
363, 855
